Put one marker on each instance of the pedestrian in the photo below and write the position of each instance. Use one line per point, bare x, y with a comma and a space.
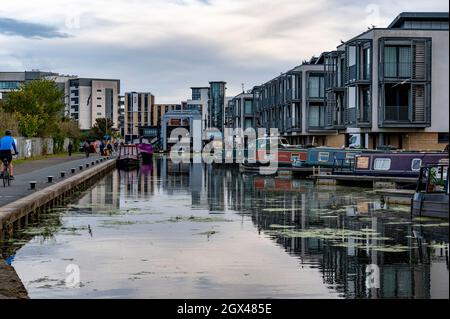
102, 148
70, 148
86, 148
109, 147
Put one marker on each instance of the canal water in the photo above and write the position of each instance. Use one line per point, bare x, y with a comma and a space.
194, 231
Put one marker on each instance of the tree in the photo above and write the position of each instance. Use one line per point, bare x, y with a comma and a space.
102, 127
38, 105
8, 121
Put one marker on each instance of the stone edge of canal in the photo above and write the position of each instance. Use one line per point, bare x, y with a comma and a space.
15, 216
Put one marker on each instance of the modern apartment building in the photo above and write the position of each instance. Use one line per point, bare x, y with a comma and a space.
240, 112
294, 103
160, 109
199, 102
385, 86
91, 99
10, 81
390, 85
121, 116
139, 108
216, 105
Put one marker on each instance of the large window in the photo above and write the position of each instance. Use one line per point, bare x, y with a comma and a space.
366, 64
9, 85
248, 107
316, 116
316, 86
397, 61
397, 101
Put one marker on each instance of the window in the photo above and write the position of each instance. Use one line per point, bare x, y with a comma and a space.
323, 156
248, 107
316, 115
99, 113
416, 163
99, 97
98, 105
397, 98
382, 164
362, 162
99, 90
366, 64
397, 61
316, 86
443, 138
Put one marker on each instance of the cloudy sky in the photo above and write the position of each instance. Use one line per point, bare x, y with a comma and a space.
167, 46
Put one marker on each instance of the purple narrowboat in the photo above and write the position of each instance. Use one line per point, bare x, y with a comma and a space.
146, 149
396, 164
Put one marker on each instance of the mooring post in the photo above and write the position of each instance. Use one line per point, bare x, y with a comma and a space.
32, 185
49, 179
92, 163
72, 170
63, 173
81, 167
87, 164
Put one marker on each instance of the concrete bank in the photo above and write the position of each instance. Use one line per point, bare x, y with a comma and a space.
11, 287
15, 215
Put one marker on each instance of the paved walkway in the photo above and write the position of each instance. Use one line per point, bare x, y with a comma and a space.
38, 171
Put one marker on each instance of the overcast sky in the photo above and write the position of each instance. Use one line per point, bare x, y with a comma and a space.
167, 46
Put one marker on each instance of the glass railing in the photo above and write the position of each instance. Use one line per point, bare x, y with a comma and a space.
396, 113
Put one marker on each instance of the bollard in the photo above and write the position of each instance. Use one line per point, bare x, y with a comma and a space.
92, 163
81, 167
96, 161
32, 185
87, 164
49, 179
63, 173
72, 170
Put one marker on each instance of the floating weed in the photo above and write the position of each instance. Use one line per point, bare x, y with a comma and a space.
208, 233
431, 225
281, 226
196, 219
277, 210
391, 249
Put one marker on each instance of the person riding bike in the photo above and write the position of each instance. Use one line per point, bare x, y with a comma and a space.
7, 143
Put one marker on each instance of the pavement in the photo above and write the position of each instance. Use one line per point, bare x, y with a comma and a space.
38, 171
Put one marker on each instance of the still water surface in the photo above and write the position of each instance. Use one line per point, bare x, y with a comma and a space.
193, 231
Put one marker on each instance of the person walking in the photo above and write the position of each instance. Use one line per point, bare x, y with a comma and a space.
70, 148
102, 148
109, 148
86, 148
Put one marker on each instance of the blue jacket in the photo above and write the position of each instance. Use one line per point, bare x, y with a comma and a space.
7, 143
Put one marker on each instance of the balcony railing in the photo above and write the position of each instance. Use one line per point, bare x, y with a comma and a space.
396, 113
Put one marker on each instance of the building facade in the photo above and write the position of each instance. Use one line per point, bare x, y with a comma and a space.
216, 105
199, 101
10, 81
389, 86
160, 109
240, 112
91, 99
139, 108
384, 87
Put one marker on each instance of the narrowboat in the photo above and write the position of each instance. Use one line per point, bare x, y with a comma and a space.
395, 164
146, 150
259, 154
432, 191
328, 157
129, 156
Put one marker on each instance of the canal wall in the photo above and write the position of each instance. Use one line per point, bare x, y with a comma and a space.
15, 215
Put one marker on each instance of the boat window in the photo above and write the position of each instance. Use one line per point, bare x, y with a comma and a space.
349, 157
323, 156
382, 164
362, 162
416, 164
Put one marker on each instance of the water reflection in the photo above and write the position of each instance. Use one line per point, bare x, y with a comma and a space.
360, 247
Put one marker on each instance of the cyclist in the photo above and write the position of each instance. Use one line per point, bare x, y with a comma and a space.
7, 143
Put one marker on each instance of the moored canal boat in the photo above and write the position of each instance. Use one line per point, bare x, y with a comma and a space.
129, 156
431, 198
396, 164
263, 158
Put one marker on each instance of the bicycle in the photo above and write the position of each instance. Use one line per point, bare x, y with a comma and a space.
6, 175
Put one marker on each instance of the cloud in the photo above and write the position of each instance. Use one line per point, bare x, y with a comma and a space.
28, 30
168, 46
